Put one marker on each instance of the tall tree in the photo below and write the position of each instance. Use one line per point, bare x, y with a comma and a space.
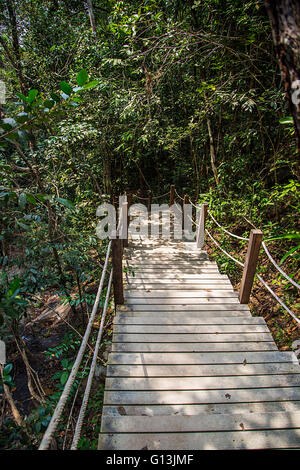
285, 22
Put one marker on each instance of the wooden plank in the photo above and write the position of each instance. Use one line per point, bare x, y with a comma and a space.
170, 276
214, 422
218, 408
203, 358
190, 315
250, 265
180, 308
191, 329
192, 347
167, 320
142, 286
181, 301
157, 294
202, 383
211, 370
168, 397
190, 337
271, 439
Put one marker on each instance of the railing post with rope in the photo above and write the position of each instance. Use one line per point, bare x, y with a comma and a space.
184, 202
201, 226
117, 255
250, 265
172, 194
149, 202
126, 223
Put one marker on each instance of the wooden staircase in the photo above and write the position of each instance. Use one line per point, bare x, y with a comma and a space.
190, 368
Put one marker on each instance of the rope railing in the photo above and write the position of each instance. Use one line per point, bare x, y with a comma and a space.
86, 396
225, 230
46, 440
224, 251
278, 267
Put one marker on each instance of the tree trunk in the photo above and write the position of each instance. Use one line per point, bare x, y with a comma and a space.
16, 45
284, 16
91, 15
212, 151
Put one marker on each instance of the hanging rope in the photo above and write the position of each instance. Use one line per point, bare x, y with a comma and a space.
67, 389
278, 268
224, 229
277, 298
86, 396
224, 251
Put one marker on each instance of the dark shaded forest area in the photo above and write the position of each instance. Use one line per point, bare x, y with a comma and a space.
104, 97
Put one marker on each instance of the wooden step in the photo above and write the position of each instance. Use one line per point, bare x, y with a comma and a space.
207, 423
177, 397
207, 370
190, 358
196, 319
191, 337
200, 409
194, 347
202, 383
179, 294
220, 330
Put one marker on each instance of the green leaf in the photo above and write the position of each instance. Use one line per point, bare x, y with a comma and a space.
22, 200
91, 84
286, 120
31, 198
82, 77
7, 369
64, 377
23, 226
289, 253
32, 96
287, 236
65, 88
55, 97
48, 104
65, 202
22, 97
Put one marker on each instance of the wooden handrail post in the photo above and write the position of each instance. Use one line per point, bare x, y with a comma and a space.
149, 202
125, 219
185, 201
117, 253
250, 265
201, 227
172, 194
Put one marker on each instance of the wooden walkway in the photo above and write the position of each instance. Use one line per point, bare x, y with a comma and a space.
190, 368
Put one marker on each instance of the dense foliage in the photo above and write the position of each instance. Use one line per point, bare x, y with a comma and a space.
138, 95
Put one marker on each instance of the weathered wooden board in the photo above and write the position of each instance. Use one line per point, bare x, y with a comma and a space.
202, 383
203, 358
180, 294
192, 347
271, 439
190, 337
214, 422
210, 370
167, 320
179, 276
183, 308
183, 301
191, 329
168, 397
215, 408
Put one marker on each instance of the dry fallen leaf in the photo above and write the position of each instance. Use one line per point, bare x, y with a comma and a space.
242, 426
244, 362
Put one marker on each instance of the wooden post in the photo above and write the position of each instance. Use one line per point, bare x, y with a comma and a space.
201, 226
149, 202
125, 218
172, 194
117, 271
185, 201
250, 265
